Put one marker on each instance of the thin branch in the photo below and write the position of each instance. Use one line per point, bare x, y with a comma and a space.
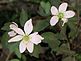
7, 59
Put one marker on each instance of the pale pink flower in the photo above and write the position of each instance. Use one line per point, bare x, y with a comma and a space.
27, 40
60, 14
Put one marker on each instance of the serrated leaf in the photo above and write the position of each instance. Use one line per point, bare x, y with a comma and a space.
44, 9
41, 25
41, 11
46, 6
23, 17
6, 27
65, 49
37, 51
50, 38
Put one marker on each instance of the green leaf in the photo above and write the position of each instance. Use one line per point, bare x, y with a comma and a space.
46, 6
17, 52
69, 59
37, 51
24, 58
41, 25
73, 27
4, 40
50, 38
62, 34
65, 49
55, 2
6, 27
23, 17
14, 47
78, 57
41, 12
14, 60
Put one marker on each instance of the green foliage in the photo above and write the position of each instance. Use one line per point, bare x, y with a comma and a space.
23, 17
55, 2
44, 9
62, 34
41, 25
23, 57
6, 27
58, 41
37, 51
73, 28
50, 38
78, 57
14, 47
65, 49
4, 40
46, 6
14, 60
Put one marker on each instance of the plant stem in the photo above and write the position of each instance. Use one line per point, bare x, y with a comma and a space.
7, 59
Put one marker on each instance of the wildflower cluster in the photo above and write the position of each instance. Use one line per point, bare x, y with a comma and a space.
28, 39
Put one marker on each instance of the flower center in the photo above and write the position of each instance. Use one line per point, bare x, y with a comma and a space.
26, 38
60, 15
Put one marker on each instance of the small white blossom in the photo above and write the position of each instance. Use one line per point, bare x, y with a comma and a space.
12, 26
60, 14
11, 34
27, 40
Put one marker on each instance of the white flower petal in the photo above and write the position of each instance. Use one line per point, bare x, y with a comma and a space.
15, 28
54, 20
22, 47
28, 27
13, 25
69, 14
30, 46
40, 37
54, 10
33, 34
36, 38
63, 7
64, 21
11, 33
16, 38
18, 30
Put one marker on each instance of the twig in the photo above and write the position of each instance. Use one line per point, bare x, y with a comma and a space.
7, 59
